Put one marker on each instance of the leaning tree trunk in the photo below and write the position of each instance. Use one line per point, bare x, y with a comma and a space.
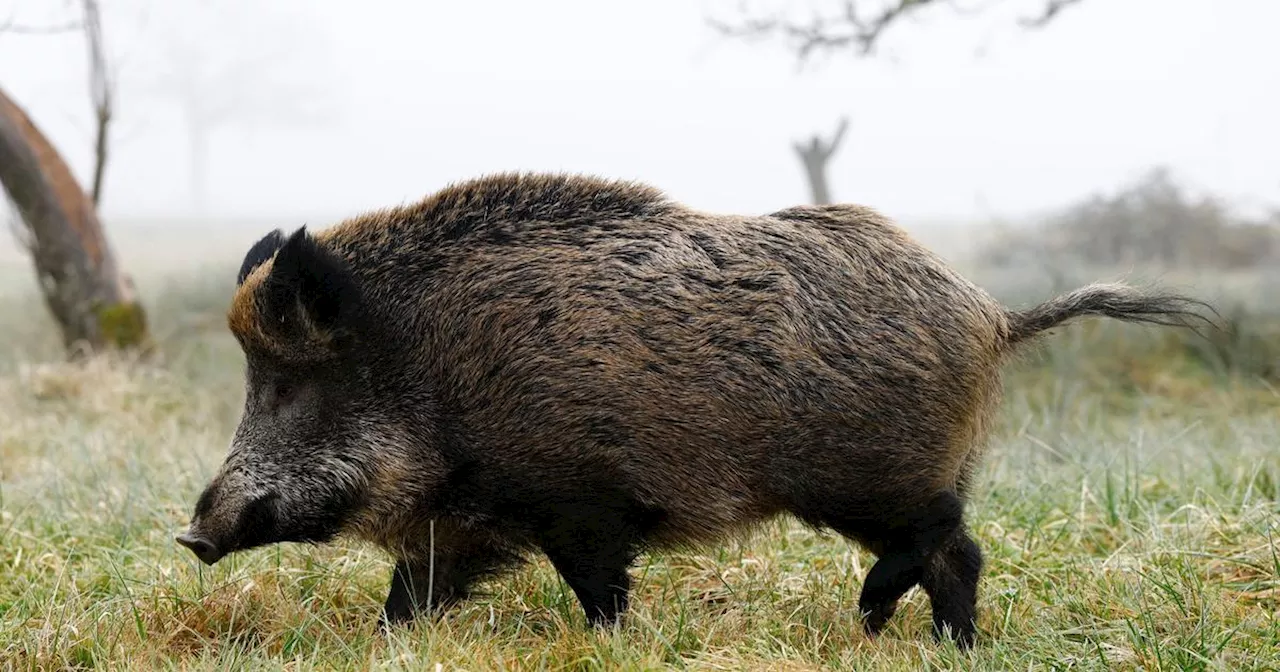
93, 302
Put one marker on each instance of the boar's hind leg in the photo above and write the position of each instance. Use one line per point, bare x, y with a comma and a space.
951, 582
907, 546
419, 584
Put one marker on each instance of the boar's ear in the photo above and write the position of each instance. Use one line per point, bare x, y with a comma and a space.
260, 252
312, 283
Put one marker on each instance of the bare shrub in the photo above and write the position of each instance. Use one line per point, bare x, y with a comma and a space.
1153, 222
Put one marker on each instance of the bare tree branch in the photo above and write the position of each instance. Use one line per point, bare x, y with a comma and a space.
836, 139
1051, 10
846, 27
101, 88
10, 27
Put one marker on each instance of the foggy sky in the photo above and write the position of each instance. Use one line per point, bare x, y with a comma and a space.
958, 118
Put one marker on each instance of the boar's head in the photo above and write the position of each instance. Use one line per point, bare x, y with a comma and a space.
307, 450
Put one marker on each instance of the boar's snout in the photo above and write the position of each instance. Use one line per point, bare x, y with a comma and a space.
203, 548
229, 519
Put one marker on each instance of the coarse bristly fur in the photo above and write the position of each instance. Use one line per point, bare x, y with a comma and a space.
588, 369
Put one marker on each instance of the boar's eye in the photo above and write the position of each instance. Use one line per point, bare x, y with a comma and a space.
284, 392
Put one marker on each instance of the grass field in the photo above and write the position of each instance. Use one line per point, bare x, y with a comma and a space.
1127, 508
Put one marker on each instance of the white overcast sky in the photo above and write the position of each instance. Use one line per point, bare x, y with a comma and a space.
959, 118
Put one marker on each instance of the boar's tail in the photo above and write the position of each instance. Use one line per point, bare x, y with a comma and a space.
1117, 301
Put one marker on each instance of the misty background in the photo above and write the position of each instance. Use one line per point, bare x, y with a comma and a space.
305, 112
1128, 502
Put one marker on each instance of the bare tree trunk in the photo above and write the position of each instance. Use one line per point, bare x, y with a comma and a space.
93, 302
815, 169
814, 156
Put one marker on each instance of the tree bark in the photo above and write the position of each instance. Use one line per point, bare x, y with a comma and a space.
94, 303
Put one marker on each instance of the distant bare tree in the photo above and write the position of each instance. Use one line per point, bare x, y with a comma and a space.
849, 26
1152, 221
815, 155
239, 79
91, 298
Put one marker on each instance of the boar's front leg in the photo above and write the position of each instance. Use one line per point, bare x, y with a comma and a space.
436, 584
600, 582
412, 589
592, 549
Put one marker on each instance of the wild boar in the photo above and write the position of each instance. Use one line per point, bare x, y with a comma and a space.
586, 368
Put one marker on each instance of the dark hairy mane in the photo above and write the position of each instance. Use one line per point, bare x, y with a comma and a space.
470, 208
